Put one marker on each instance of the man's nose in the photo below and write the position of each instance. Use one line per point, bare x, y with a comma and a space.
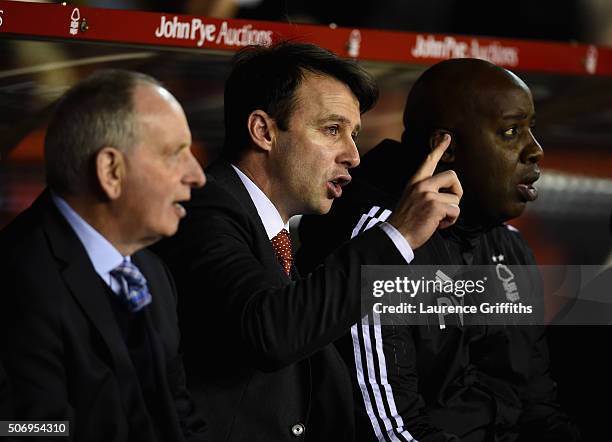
350, 155
195, 176
532, 152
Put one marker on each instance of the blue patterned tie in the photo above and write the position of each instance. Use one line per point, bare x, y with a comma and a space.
134, 290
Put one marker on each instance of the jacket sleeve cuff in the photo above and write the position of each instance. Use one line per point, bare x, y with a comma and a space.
400, 242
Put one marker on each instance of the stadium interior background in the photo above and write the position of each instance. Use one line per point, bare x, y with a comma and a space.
571, 221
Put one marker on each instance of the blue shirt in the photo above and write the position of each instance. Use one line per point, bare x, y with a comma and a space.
102, 254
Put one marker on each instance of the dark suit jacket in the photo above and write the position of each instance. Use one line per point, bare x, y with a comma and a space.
6, 408
257, 345
62, 348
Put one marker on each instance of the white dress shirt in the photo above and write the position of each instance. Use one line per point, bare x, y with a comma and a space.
271, 219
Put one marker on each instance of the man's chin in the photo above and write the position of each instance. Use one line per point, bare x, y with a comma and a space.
326, 207
166, 231
322, 208
149, 240
496, 215
512, 212
171, 231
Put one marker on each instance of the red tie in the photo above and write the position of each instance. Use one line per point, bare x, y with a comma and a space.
281, 244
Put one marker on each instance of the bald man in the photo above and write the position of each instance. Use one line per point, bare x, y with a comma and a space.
468, 383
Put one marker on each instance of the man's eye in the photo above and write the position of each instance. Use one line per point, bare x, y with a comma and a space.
333, 130
510, 132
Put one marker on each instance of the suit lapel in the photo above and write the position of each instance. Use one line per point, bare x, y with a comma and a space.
161, 376
227, 177
87, 288
224, 173
84, 283
155, 309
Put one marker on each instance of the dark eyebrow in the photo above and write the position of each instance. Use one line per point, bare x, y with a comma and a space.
340, 119
517, 116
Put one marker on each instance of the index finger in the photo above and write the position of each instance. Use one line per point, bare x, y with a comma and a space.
431, 161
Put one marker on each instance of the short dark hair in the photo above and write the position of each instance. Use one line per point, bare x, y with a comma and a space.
96, 112
267, 78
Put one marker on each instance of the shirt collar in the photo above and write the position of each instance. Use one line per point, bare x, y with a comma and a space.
268, 213
102, 254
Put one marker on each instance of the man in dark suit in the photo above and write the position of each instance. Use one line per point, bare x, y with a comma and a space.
257, 337
88, 332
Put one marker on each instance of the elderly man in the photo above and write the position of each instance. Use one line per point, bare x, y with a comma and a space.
257, 337
88, 332
475, 383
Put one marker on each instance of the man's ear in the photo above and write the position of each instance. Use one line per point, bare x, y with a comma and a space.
262, 129
110, 171
448, 156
